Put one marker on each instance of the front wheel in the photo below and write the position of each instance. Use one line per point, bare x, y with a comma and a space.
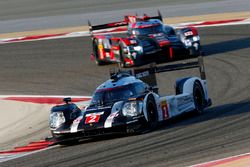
151, 113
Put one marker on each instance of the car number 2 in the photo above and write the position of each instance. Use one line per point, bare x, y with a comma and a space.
92, 119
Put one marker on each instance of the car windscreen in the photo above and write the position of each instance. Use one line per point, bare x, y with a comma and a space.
149, 30
119, 93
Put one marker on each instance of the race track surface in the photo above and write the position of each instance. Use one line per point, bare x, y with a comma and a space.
62, 66
27, 15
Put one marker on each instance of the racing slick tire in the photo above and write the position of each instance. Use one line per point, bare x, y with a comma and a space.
122, 62
151, 113
96, 53
199, 97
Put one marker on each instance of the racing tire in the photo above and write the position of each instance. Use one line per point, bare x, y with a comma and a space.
122, 62
199, 97
151, 113
96, 53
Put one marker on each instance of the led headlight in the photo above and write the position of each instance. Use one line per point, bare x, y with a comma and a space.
196, 38
138, 48
56, 119
132, 108
188, 42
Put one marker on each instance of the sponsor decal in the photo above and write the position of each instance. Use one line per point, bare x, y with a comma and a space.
142, 74
75, 124
110, 119
188, 33
184, 102
117, 24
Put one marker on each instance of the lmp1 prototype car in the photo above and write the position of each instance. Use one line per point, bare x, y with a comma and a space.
147, 40
129, 102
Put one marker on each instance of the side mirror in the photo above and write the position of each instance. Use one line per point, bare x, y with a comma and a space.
67, 100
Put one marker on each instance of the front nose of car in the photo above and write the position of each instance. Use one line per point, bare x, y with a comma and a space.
95, 118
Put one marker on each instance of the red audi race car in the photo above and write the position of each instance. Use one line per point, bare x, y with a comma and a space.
147, 40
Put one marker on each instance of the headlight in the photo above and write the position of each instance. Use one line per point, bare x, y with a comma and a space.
132, 108
188, 42
138, 48
56, 119
133, 42
196, 38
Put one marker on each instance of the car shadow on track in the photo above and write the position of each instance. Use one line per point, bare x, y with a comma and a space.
96, 139
226, 46
216, 112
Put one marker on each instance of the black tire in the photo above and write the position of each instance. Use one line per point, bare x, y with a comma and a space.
122, 62
96, 53
199, 97
151, 113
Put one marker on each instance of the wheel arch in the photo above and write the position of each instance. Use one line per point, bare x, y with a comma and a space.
185, 85
156, 100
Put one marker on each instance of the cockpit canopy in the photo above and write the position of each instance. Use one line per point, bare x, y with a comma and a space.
148, 30
152, 26
107, 96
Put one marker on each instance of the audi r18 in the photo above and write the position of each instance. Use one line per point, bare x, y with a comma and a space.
147, 40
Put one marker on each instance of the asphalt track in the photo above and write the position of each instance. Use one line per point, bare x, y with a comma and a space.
27, 15
62, 66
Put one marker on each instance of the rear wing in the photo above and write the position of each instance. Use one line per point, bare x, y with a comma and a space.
125, 22
106, 26
158, 17
148, 74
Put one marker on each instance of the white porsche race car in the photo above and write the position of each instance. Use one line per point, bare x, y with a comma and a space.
129, 102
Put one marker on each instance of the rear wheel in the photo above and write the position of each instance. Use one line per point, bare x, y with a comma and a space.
199, 97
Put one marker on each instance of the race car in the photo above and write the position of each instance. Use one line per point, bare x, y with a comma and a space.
147, 40
129, 102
